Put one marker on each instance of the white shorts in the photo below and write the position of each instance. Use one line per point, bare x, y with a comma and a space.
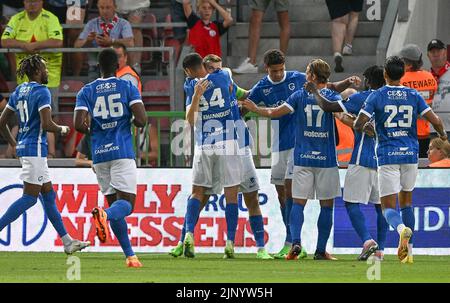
120, 174
316, 183
361, 185
279, 166
34, 170
210, 169
249, 181
394, 178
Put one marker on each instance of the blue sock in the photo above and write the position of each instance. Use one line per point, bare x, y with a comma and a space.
324, 225
53, 214
118, 210
16, 209
408, 218
257, 225
392, 217
287, 216
296, 222
120, 229
183, 232
231, 216
382, 227
192, 212
358, 220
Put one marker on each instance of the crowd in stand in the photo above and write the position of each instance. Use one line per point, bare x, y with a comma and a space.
33, 25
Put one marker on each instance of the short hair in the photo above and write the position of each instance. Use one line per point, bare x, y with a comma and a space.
442, 145
200, 2
211, 58
274, 57
117, 44
192, 61
108, 61
30, 65
394, 68
320, 69
374, 76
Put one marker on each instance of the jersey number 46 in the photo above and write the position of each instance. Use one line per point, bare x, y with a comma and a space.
113, 108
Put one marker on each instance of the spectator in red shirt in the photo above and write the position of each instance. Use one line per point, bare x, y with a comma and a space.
204, 34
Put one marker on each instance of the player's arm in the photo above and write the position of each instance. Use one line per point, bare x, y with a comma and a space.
82, 160
266, 112
193, 108
346, 118
340, 86
325, 104
80, 121
140, 116
49, 125
4, 129
361, 122
431, 117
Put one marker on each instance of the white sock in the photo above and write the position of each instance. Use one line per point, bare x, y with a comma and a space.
410, 248
288, 244
348, 45
67, 239
400, 228
337, 54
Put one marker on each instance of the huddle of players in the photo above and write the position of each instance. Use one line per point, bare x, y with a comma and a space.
304, 164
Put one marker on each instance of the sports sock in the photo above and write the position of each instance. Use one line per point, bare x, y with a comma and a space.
118, 210
393, 219
257, 225
408, 218
286, 219
53, 214
358, 220
231, 216
192, 212
16, 209
324, 225
296, 222
382, 227
183, 232
120, 229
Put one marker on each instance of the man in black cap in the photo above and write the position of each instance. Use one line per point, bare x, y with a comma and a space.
440, 68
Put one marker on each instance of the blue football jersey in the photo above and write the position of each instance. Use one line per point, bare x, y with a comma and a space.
395, 110
364, 148
243, 134
273, 94
215, 122
109, 102
27, 100
315, 142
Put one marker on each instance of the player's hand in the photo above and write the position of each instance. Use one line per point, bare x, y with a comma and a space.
354, 81
64, 130
249, 105
369, 129
444, 138
310, 87
201, 87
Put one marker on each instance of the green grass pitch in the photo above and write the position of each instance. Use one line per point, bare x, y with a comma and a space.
206, 268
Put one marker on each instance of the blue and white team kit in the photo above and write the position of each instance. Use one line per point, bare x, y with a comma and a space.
273, 94
315, 162
27, 101
361, 179
109, 102
395, 110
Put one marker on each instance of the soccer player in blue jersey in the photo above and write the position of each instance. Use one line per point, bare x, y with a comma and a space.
249, 184
272, 91
31, 102
395, 109
209, 110
361, 180
111, 104
315, 173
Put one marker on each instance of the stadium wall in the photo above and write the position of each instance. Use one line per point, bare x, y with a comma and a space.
158, 215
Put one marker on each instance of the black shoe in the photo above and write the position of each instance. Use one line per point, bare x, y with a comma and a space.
324, 256
338, 61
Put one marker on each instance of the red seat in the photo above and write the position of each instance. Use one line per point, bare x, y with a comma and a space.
157, 85
70, 86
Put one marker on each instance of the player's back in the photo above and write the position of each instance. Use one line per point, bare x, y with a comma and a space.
109, 103
27, 100
396, 110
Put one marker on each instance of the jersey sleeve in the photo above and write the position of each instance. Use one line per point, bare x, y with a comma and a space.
127, 31
351, 105
10, 29
135, 96
44, 98
189, 91
87, 30
422, 105
369, 105
54, 28
292, 101
255, 95
81, 102
12, 102
192, 20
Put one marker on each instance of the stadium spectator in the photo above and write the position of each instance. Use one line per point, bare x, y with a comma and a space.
83, 157
125, 71
422, 81
13, 125
32, 30
439, 153
437, 54
71, 12
103, 31
134, 11
344, 15
204, 34
10, 8
259, 7
177, 13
